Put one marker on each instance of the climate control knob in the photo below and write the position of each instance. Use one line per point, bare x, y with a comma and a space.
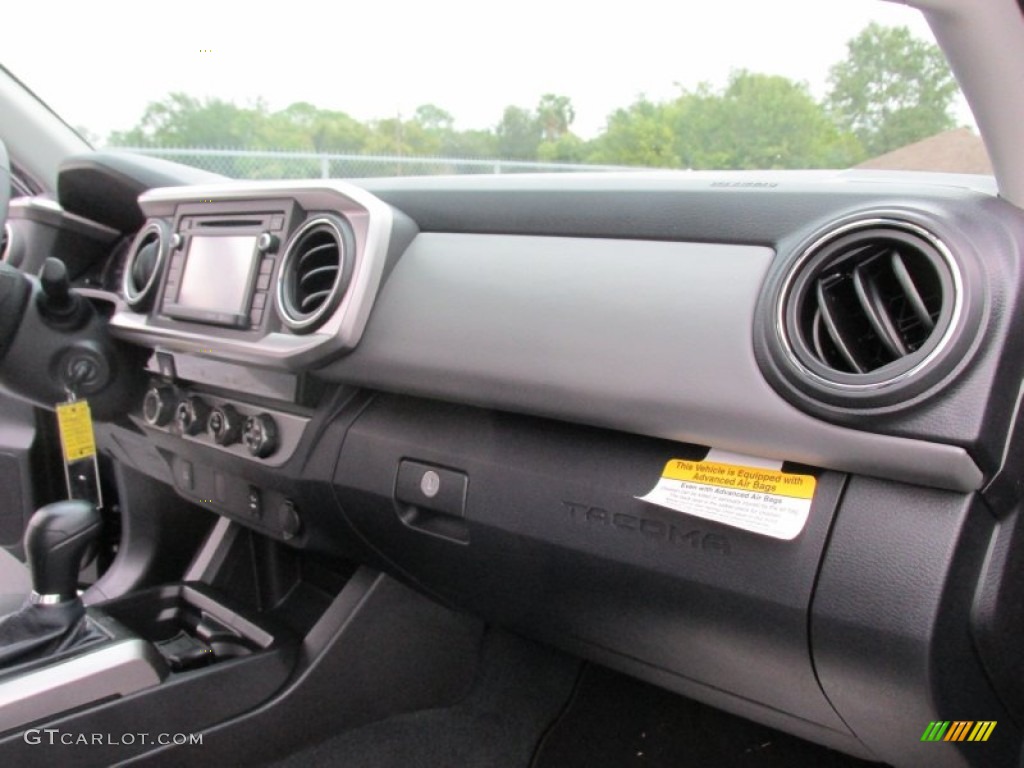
260, 435
225, 425
191, 415
158, 405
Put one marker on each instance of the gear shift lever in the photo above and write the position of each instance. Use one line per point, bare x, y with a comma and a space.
53, 618
56, 539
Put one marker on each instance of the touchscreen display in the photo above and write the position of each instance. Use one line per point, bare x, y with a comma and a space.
217, 274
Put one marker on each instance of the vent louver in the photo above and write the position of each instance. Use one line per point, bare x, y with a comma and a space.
869, 305
876, 303
142, 271
314, 274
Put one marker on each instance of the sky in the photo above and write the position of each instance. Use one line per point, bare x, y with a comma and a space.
99, 64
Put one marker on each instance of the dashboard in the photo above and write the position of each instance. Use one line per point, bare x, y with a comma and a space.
497, 388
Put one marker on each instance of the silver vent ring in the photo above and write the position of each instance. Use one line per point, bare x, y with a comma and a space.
137, 296
871, 312
298, 268
936, 348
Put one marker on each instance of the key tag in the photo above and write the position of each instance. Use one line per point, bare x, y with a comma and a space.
78, 444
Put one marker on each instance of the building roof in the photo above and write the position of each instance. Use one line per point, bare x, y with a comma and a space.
955, 151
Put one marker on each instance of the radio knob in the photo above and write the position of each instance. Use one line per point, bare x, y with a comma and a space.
225, 425
158, 405
267, 243
191, 415
260, 435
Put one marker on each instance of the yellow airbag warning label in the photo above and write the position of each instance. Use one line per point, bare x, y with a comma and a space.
755, 495
75, 422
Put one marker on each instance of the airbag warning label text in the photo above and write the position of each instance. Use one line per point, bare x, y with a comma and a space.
756, 499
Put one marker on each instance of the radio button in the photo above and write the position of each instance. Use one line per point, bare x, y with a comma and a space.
267, 243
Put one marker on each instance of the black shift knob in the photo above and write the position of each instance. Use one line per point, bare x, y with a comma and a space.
57, 537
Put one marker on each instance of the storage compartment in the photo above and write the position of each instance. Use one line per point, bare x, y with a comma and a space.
190, 628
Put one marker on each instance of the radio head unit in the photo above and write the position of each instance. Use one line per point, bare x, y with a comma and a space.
215, 267
216, 281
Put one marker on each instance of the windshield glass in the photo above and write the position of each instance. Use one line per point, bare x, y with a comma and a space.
254, 90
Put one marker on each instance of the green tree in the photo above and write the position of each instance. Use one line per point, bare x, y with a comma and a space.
758, 121
518, 134
471, 143
322, 130
892, 89
432, 118
181, 120
395, 136
642, 134
554, 115
567, 148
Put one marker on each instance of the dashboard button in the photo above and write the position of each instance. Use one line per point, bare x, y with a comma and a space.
158, 406
191, 415
260, 435
165, 364
263, 282
267, 243
255, 502
225, 425
433, 488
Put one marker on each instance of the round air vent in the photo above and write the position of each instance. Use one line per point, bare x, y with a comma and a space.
315, 273
142, 270
867, 313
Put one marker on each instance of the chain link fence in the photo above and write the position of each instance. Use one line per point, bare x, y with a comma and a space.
260, 164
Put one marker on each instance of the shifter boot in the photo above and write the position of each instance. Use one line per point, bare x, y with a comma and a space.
39, 631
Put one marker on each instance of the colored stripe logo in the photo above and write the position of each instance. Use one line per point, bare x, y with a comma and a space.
958, 730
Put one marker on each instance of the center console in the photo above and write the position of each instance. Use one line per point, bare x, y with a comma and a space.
235, 293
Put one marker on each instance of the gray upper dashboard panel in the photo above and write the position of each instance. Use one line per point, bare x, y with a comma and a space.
641, 336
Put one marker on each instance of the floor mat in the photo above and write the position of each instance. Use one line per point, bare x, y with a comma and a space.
520, 689
614, 721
